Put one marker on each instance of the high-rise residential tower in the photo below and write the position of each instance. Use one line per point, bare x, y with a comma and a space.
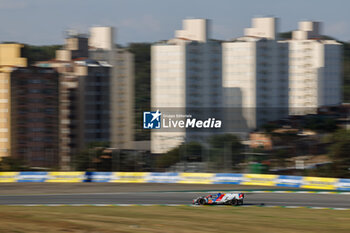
10, 58
96, 93
102, 47
315, 71
34, 116
256, 65
185, 73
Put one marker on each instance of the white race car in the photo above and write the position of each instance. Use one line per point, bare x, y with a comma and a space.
220, 199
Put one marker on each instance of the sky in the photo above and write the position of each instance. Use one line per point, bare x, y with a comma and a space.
43, 22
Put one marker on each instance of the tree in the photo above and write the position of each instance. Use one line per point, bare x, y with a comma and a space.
285, 35
190, 152
225, 148
321, 124
170, 158
12, 164
339, 153
220, 140
88, 158
346, 72
142, 54
39, 53
269, 127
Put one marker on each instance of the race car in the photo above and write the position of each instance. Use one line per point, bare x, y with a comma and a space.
220, 199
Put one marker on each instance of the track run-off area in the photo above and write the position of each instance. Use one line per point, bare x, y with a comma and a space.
161, 194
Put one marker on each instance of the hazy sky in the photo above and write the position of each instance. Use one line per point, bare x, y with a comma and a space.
44, 21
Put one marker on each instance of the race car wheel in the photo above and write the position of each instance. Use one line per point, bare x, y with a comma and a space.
201, 201
240, 202
234, 202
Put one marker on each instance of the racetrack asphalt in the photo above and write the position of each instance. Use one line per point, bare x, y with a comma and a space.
162, 194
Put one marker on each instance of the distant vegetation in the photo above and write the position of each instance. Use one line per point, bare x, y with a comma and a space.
142, 53
224, 150
339, 154
346, 87
39, 53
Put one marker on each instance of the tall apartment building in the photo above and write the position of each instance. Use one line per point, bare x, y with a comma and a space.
34, 116
92, 102
102, 47
263, 78
185, 73
84, 98
255, 70
68, 112
10, 57
28, 109
315, 72
96, 93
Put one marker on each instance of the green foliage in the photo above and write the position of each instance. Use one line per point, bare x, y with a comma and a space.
142, 53
168, 159
339, 153
98, 144
12, 164
288, 35
285, 35
280, 156
97, 157
191, 152
221, 141
346, 65
321, 124
326, 170
39, 53
86, 159
269, 127
225, 150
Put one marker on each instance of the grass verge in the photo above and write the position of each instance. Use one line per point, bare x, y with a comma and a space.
171, 219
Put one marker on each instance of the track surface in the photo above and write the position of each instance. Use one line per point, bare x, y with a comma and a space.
17, 194
280, 199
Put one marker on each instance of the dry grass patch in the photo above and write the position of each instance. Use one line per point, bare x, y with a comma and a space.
171, 219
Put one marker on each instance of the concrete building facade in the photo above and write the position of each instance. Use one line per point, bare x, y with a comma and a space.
10, 57
76, 46
103, 48
93, 98
256, 65
315, 70
84, 98
185, 73
96, 93
34, 116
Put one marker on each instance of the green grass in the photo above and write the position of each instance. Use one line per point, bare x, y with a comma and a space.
171, 219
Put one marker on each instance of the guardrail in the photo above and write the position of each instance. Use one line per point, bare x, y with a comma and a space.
180, 178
